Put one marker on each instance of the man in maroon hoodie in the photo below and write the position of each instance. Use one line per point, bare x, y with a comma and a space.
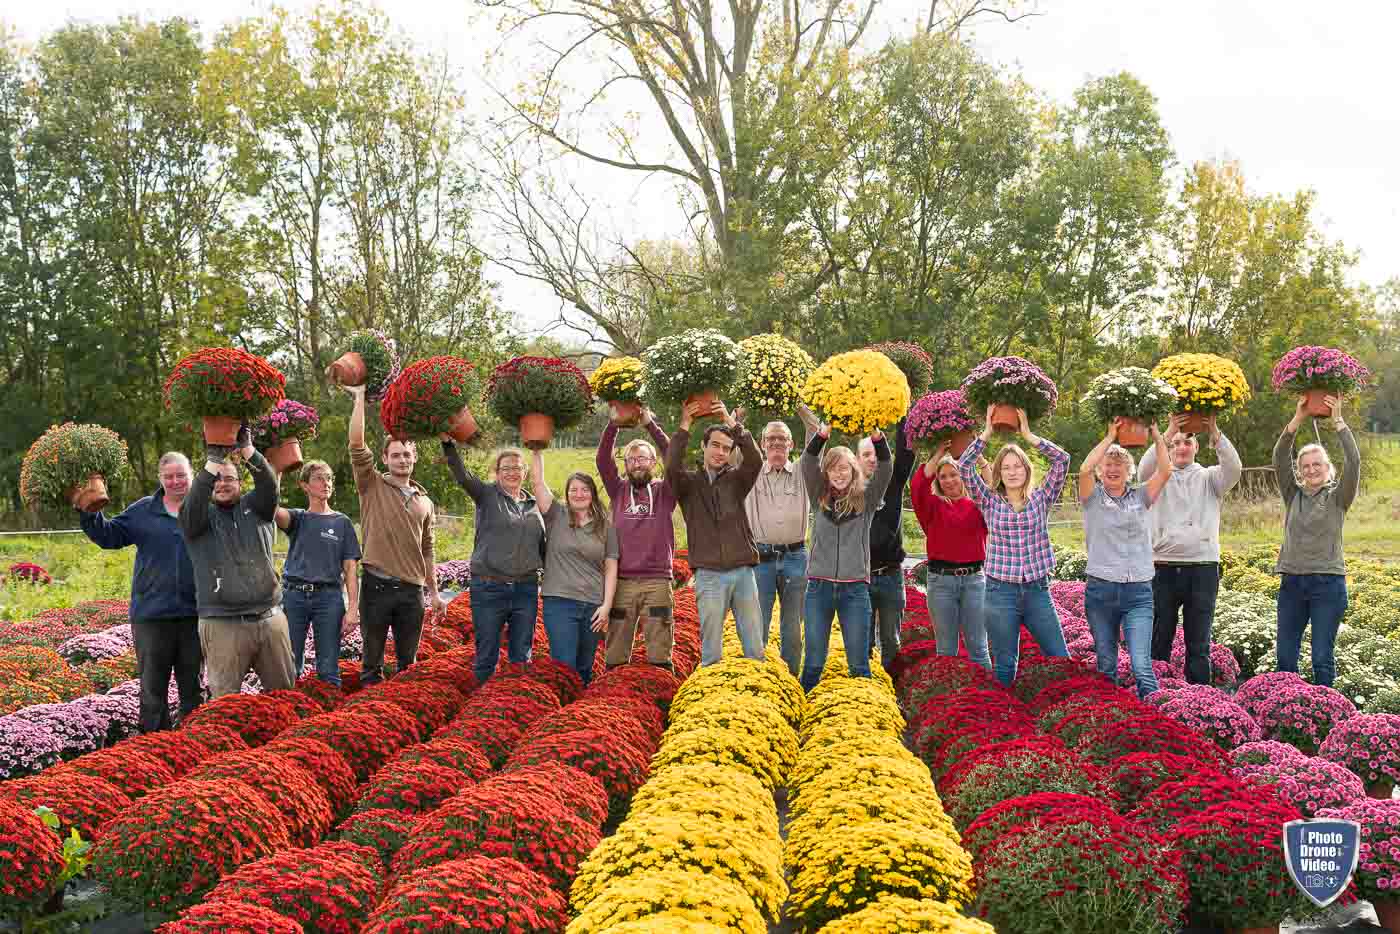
641, 511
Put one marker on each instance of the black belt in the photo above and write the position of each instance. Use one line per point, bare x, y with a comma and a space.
771, 552
887, 569
389, 580
307, 587
955, 570
255, 617
1186, 564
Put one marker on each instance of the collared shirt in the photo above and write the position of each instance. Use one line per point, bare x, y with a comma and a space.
1117, 536
777, 505
1018, 543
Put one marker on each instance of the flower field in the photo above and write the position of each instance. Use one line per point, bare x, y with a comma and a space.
717, 799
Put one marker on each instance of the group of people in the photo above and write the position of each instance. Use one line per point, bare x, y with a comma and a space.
821, 536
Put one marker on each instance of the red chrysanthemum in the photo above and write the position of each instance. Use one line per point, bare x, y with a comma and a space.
324, 889
132, 772
225, 917
476, 895
305, 806
32, 856
1037, 807
574, 788
359, 738
216, 737
411, 786
256, 717
383, 831
303, 703
224, 381
322, 763
463, 757
80, 802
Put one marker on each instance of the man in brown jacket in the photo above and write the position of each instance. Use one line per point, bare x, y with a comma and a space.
722, 550
396, 520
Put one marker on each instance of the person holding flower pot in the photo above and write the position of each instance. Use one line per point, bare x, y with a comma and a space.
324, 555
957, 549
164, 612
722, 550
229, 536
507, 556
1019, 555
887, 545
1315, 502
844, 502
1186, 542
580, 568
399, 562
1119, 573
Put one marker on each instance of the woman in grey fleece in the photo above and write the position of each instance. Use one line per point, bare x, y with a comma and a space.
1315, 502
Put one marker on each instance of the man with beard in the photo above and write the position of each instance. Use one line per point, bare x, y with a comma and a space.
164, 617
641, 513
399, 564
229, 536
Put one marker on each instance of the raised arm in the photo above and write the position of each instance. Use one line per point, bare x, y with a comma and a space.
675, 475
977, 488
194, 511
263, 499
1350, 483
658, 434
884, 472
1158, 480
606, 462
1086, 470
1283, 455
1059, 470
752, 461
464, 477
903, 457
116, 532
1224, 475
544, 498
361, 457
810, 465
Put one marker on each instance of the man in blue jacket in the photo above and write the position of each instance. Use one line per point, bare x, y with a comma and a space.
164, 623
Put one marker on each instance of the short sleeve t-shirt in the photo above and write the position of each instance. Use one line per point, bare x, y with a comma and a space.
573, 561
320, 542
1118, 537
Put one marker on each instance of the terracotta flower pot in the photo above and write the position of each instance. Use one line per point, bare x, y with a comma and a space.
626, 414
221, 430
1382, 788
1004, 418
708, 397
1193, 423
959, 442
462, 428
348, 370
91, 496
285, 456
1132, 432
536, 430
1388, 913
1265, 929
1315, 406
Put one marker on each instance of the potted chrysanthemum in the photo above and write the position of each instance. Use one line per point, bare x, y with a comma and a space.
432, 397
1318, 372
1010, 383
775, 369
224, 386
618, 382
938, 417
279, 433
538, 394
857, 392
371, 360
72, 464
1205, 385
913, 361
696, 366
1133, 398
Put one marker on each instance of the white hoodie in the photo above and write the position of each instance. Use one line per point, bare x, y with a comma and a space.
1186, 518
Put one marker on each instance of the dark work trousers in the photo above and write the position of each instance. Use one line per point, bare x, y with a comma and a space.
163, 647
1188, 589
387, 606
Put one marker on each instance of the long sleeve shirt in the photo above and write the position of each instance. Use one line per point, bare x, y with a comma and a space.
231, 546
955, 529
1185, 522
1312, 522
716, 524
777, 505
1018, 543
841, 543
162, 579
887, 531
509, 539
641, 513
396, 523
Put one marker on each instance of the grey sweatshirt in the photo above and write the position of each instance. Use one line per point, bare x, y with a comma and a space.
1312, 522
231, 546
840, 549
509, 532
1186, 517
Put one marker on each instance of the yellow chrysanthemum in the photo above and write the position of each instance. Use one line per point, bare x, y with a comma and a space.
617, 379
858, 392
1204, 382
895, 914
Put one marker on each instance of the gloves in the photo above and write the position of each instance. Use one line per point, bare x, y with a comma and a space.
217, 453
245, 436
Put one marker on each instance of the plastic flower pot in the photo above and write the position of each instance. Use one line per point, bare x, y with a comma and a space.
626, 414
1388, 913
1132, 432
92, 496
1313, 399
462, 428
221, 430
285, 456
1004, 417
708, 398
1193, 423
959, 442
348, 370
536, 430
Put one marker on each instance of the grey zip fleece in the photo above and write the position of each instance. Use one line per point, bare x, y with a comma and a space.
231, 547
840, 549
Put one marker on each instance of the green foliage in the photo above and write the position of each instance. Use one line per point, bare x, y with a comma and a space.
1130, 391
545, 385
65, 457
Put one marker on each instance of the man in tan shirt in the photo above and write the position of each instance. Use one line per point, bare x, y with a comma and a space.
396, 521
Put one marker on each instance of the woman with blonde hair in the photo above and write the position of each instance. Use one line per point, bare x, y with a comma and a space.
1019, 556
1315, 502
844, 502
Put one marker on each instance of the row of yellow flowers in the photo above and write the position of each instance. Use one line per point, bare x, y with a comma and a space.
700, 849
869, 849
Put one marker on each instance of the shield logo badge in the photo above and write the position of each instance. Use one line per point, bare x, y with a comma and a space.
1321, 856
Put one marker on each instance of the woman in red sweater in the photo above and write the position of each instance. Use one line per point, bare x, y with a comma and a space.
957, 545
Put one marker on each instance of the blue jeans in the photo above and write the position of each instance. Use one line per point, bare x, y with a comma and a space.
720, 592
1011, 606
786, 573
572, 640
319, 612
886, 615
500, 606
1321, 599
850, 602
958, 605
1109, 605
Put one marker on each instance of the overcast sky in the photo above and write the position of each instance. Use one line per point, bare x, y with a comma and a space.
1302, 94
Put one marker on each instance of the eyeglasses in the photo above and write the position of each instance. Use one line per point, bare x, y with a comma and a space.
640, 459
778, 442
510, 469
223, 479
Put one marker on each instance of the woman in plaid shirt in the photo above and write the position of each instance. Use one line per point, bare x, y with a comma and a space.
1019, 556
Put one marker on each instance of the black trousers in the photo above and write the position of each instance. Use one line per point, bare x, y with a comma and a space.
387, 606
1190, 590
165, 647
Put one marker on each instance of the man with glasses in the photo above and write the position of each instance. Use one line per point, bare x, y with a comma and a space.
722, 550
229, 537
777, 510
646, 539
1186, 543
